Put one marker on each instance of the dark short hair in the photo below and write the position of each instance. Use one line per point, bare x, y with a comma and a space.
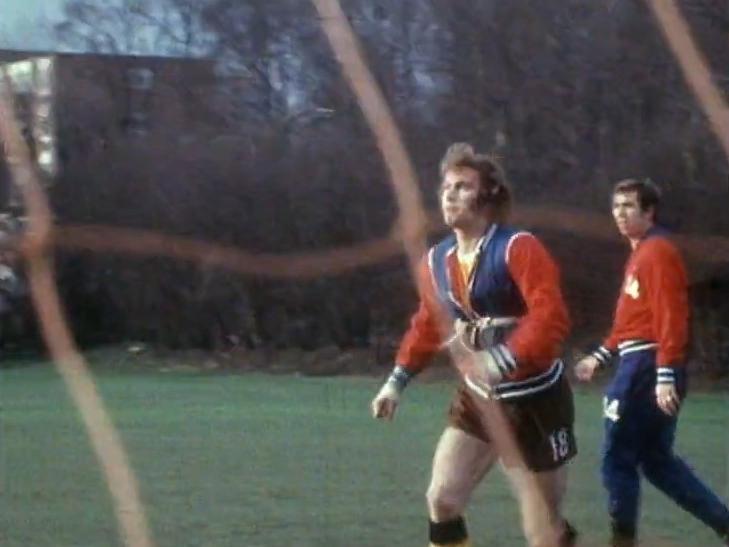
495, 190
649, 195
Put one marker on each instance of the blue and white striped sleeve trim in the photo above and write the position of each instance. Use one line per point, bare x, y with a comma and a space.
400, 377
603, 355
666, 375
504, 359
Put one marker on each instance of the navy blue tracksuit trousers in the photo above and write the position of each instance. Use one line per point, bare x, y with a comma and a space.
639, 438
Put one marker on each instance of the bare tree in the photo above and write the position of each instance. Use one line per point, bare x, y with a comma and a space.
153, 27
572, 95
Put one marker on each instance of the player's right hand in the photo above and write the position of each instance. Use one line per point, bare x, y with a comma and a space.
385, 402
586, 367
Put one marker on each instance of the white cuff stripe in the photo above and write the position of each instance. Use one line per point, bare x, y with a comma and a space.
400, 377
603, 355
666, 375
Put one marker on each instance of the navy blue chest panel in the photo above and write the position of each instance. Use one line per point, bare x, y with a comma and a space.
492, 291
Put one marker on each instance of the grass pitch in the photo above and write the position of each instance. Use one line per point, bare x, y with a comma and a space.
263, 461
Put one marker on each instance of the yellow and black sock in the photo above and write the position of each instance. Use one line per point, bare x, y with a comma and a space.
450, 533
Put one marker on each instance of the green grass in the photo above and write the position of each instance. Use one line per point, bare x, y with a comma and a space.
263, 461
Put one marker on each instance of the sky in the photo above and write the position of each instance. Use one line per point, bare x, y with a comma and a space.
24, 23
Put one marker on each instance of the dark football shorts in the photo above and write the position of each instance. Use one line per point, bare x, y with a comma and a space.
542, 423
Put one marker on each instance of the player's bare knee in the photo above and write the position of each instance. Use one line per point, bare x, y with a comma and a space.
444, 503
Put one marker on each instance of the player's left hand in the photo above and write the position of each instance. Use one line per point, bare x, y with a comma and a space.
385, 403
667, 399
